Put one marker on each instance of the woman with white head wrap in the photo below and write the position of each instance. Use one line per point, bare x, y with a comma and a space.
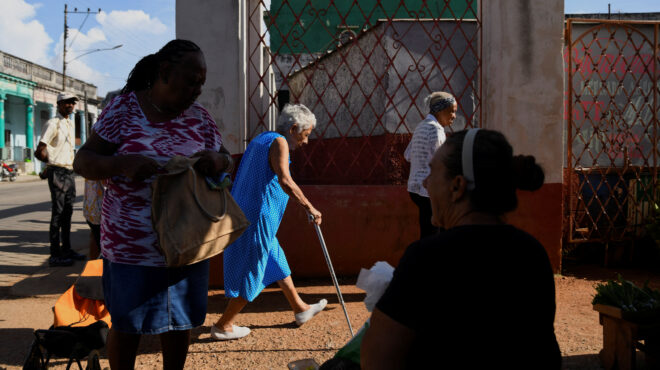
427, 138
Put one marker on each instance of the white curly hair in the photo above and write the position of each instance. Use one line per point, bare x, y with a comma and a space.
295, 114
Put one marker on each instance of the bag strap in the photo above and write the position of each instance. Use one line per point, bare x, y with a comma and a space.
199, 204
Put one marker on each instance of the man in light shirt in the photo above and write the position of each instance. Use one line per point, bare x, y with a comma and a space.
56, 150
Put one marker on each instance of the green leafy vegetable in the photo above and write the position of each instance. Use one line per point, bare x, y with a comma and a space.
627, 296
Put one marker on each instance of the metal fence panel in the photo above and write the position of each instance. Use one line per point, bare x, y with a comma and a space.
363, 68
612, 142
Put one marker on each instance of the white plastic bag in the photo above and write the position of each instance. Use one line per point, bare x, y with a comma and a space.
374, 281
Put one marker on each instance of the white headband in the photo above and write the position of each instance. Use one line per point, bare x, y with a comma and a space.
467, 157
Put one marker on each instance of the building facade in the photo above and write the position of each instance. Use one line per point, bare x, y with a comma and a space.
28, 99
516, 89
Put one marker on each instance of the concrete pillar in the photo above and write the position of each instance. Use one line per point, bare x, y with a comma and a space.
523, 77
83, 127
92, 121
522, 96
29, 125
222, 40
3, 98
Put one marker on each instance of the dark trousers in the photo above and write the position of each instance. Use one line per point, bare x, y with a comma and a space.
62, 187
425, 213
96, 233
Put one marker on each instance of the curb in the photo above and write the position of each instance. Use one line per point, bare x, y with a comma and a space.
23, 179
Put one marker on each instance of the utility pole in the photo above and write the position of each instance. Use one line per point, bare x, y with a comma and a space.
64, 52
66, 33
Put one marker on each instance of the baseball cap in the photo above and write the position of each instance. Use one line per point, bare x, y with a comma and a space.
66, 96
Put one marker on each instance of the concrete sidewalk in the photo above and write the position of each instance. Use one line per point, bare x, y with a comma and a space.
22, 178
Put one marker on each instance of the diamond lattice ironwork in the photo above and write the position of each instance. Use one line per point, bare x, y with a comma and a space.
363, 68
612, 143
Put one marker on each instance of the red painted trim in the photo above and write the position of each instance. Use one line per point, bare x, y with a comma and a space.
370, 223
540, 213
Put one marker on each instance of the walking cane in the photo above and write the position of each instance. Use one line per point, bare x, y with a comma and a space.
332, 271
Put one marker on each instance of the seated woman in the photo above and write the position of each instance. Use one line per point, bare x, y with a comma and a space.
482, 292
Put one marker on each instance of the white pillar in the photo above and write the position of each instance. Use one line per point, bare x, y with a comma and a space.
224, 93
83, 127
523, 77
92, 121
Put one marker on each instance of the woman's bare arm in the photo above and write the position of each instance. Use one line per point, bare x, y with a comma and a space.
385, 344
212, 163
96, 160
279, 162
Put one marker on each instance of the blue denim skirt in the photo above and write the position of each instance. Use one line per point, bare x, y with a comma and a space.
154, 300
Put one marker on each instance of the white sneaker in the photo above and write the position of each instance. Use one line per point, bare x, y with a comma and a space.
238, 332
303, 317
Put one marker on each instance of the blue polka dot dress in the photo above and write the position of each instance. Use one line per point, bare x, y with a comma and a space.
256, 259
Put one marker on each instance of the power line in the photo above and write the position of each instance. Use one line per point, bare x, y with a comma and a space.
79, 29
122, 35
114, 27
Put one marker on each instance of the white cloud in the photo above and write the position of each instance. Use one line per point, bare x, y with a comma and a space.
135, 30
79, 43
22, 35
131, 20
82, 71
138, 32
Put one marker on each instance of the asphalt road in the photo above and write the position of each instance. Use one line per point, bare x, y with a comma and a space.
28, 193
24, 222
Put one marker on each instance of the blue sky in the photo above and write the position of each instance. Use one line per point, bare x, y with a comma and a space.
600, 6
32, 30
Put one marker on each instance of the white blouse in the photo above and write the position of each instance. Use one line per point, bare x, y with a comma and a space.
426, 139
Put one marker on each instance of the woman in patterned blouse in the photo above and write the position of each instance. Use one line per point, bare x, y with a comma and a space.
155, 118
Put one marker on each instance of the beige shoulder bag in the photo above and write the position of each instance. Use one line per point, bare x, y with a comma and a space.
193, 221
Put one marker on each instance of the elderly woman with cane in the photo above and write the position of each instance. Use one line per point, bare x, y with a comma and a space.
155, 118
482, 292
262, 188
427, 138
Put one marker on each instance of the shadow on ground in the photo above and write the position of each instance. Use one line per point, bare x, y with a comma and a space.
8, 343
25, 337
49, 281
598, 273
36, 207
274, 301
583, 362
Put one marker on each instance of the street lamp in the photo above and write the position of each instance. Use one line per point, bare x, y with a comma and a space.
95, 50
64, 62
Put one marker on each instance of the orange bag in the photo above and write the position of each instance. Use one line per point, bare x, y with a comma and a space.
83, 304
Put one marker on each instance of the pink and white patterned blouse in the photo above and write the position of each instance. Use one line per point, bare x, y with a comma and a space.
127, 234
